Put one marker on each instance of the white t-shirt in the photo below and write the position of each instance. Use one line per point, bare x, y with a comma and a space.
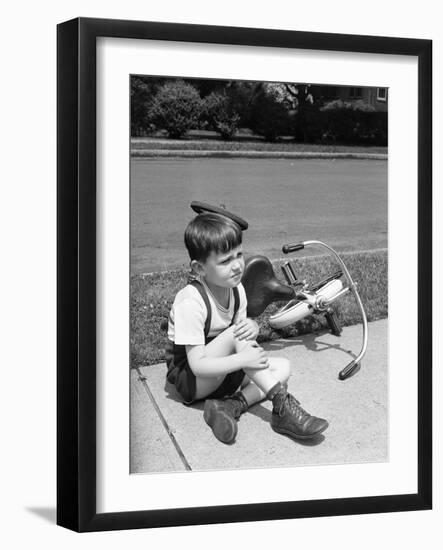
188, 315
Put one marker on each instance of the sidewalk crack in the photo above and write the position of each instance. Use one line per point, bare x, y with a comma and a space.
163, 420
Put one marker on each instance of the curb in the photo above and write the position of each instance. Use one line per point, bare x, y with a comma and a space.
181, 153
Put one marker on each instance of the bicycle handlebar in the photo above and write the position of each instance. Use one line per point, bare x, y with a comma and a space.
287, 248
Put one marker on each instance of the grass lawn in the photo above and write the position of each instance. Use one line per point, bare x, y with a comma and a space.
153, 294
154, 144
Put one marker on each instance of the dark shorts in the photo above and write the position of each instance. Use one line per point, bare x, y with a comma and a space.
181, 376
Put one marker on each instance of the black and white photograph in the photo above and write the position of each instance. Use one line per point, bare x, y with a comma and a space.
258, 274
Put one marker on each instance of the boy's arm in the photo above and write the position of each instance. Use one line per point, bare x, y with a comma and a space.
245, 328
253, 356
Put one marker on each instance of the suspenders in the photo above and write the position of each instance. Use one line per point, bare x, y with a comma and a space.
197, 284
179, 372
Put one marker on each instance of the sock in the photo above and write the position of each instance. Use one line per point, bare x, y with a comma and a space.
277, 394
274, 391
242, 398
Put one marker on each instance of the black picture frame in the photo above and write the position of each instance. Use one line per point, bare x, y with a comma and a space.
76, 277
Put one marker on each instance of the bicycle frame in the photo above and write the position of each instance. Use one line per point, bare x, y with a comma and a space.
317, 302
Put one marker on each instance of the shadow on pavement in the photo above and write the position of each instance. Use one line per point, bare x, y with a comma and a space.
172, 394
309, 342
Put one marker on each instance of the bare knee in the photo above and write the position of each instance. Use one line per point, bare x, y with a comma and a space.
222, 345
281, 368
241, 345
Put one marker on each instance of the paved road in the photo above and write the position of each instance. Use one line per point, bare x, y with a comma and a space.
342, 202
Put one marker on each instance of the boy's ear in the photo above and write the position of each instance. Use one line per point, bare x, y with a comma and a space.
197, 267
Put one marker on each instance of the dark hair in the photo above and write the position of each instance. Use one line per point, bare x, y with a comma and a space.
210, 232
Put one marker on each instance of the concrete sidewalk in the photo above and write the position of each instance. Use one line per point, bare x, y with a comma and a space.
168, 436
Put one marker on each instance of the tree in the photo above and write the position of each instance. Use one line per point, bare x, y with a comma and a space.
269, 117
143, 90
304, 112
176, 108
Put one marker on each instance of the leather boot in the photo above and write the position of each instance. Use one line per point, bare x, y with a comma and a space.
222, 415
289, 418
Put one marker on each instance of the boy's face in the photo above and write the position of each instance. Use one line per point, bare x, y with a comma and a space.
224, 269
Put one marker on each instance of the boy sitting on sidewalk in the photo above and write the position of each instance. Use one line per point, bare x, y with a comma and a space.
212, 352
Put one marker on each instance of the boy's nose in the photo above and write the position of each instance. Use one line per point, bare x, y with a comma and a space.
238, 266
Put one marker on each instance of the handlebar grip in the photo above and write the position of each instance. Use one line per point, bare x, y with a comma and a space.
348, 370
286, 248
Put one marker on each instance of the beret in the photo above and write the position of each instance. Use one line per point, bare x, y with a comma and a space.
201, 207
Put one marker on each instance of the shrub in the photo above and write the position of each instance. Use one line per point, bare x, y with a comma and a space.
176, 108
376, 128
308, 123
268, 117
241, 95
339, 121
355, 122
221, 114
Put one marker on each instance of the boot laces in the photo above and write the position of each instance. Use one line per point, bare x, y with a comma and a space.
235, 405
292, 404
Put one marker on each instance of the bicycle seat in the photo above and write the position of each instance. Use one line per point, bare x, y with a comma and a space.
262, 286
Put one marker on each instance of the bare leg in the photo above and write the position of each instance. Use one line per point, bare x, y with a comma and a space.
279, 367
222, 346
264, 379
